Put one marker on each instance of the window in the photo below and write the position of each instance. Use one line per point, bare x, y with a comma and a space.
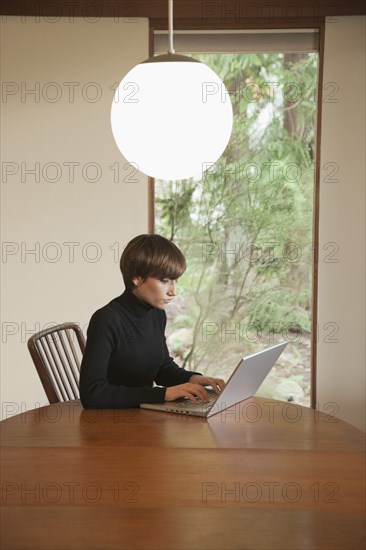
246, 226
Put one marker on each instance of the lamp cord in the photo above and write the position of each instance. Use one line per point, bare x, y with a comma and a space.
170, 10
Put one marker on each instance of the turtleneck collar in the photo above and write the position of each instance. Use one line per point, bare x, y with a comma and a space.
134, 305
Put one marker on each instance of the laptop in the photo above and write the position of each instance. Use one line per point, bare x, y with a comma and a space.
243, 383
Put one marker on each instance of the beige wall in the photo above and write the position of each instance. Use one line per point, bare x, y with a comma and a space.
341, 351
58, 125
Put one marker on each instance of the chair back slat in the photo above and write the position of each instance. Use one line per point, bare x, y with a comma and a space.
56, 367
77, 361
57, 359
67, 363
52, 371
59, 362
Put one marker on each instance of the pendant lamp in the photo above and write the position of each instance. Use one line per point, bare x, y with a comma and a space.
171, 115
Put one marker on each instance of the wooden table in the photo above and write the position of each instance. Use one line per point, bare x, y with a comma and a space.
264, 474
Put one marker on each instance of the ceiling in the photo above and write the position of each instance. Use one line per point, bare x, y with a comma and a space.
195, 14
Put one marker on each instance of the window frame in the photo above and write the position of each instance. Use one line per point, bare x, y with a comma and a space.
320, 29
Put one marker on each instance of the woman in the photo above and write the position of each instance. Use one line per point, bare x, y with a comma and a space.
126, 350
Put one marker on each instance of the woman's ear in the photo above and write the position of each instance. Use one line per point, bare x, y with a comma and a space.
137, 281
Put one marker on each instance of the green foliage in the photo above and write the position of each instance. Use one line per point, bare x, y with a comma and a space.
246, 226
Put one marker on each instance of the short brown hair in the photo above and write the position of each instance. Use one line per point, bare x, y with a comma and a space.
151, 256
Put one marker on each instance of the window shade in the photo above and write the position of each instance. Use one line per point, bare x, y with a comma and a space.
247, 41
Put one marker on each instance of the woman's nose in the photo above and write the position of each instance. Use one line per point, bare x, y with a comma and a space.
172, 288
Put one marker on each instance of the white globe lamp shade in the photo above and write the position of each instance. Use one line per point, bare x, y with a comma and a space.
171, 117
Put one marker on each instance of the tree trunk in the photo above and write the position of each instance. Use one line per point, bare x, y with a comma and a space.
291, 96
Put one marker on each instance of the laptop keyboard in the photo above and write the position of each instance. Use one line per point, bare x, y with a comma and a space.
187, 404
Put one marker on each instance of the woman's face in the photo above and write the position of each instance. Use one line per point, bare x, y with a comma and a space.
156, 292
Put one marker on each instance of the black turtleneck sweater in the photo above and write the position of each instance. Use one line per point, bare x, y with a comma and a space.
125, 353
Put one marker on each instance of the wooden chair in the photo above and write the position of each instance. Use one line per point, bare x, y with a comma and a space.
57, 358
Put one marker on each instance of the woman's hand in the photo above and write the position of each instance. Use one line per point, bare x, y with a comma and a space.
189, 390
216, 383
